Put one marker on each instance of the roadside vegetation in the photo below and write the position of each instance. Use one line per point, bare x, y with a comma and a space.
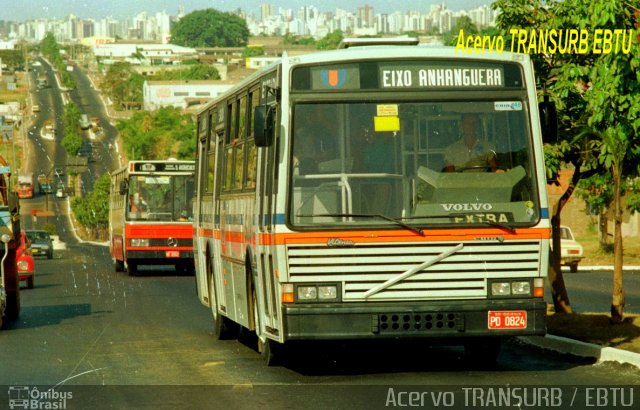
51, 50
598, 100
92, 210
161, 134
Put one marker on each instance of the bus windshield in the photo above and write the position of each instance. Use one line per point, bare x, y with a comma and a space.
420, 163
160, 198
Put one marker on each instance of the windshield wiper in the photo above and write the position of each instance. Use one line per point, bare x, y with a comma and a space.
380, 216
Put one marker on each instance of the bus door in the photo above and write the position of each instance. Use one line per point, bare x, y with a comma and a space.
265, 196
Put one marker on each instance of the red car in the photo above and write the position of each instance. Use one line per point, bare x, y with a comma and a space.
24, 261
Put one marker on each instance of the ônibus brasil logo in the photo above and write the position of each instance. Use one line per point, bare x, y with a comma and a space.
25, 397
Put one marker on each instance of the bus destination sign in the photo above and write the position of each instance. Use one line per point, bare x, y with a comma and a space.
164, 167
441, 77
408, 75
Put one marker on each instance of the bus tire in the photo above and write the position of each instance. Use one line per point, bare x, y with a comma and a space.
12, 311
132, 268
225, 328
482, 352
272, 352
118, 266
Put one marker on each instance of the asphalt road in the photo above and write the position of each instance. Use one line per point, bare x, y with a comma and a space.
128, 342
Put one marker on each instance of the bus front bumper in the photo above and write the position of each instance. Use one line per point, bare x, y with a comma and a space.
443, 319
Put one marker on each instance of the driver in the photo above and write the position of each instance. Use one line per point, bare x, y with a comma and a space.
469, 153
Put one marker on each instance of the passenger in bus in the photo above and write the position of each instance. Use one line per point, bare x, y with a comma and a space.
137, 204
315, 140
470, 153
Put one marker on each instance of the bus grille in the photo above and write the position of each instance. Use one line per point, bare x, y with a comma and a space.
462, 275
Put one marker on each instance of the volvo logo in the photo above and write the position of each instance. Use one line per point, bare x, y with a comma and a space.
172, 242
467, 207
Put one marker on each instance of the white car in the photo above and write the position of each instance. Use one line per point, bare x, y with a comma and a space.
572, 252
60, 193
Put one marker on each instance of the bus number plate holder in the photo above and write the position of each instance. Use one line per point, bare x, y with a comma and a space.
507, 319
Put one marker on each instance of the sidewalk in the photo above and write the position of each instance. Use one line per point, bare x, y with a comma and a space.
582, 349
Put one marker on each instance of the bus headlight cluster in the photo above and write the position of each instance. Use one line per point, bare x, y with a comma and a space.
316, 293
139, 242
517, 287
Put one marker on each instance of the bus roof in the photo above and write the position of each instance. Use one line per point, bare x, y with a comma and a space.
376, 52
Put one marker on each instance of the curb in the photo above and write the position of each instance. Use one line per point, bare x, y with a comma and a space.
583, 349
601, 268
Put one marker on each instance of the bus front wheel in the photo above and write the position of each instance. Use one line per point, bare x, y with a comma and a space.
272, 352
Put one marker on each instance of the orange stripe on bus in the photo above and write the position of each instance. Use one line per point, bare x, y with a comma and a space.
442, 235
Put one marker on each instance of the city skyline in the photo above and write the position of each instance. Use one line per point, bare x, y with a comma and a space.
57, 9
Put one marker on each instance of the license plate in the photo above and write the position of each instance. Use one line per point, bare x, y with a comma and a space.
172, 254
509, 319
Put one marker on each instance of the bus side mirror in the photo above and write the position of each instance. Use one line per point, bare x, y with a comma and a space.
548, 120
263, 125
123, 188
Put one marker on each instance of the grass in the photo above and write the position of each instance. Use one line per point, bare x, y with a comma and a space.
597, 328
595, 254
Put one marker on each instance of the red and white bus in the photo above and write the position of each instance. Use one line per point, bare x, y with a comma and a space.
352, 228
150, 215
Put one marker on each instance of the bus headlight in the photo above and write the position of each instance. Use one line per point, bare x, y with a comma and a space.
521, 288
504, 288
500, 289
327, 292
139, 242
307, 293
317, 293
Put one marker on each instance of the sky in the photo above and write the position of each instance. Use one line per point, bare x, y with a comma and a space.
21, 10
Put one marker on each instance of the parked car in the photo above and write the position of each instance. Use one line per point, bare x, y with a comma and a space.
40, 243
572, 252
24, 261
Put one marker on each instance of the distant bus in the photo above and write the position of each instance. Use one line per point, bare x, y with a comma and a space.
150, 215
353, 227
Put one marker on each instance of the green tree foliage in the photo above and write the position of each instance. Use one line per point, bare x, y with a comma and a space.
465, 24
160, 134
51, 50
92, 211
192, 72
252, 51
330, 41
598, 95
210, 28
293, 40
72, 140
12, 58
123, 85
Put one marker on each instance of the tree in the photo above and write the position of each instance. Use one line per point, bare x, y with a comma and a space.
598, 95
92, 211
160, 134
330, 41
123, 85
252, 51
210, 28
465, 24
71, 141
193, 72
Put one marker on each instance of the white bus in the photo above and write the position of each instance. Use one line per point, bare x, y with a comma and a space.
352, 227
